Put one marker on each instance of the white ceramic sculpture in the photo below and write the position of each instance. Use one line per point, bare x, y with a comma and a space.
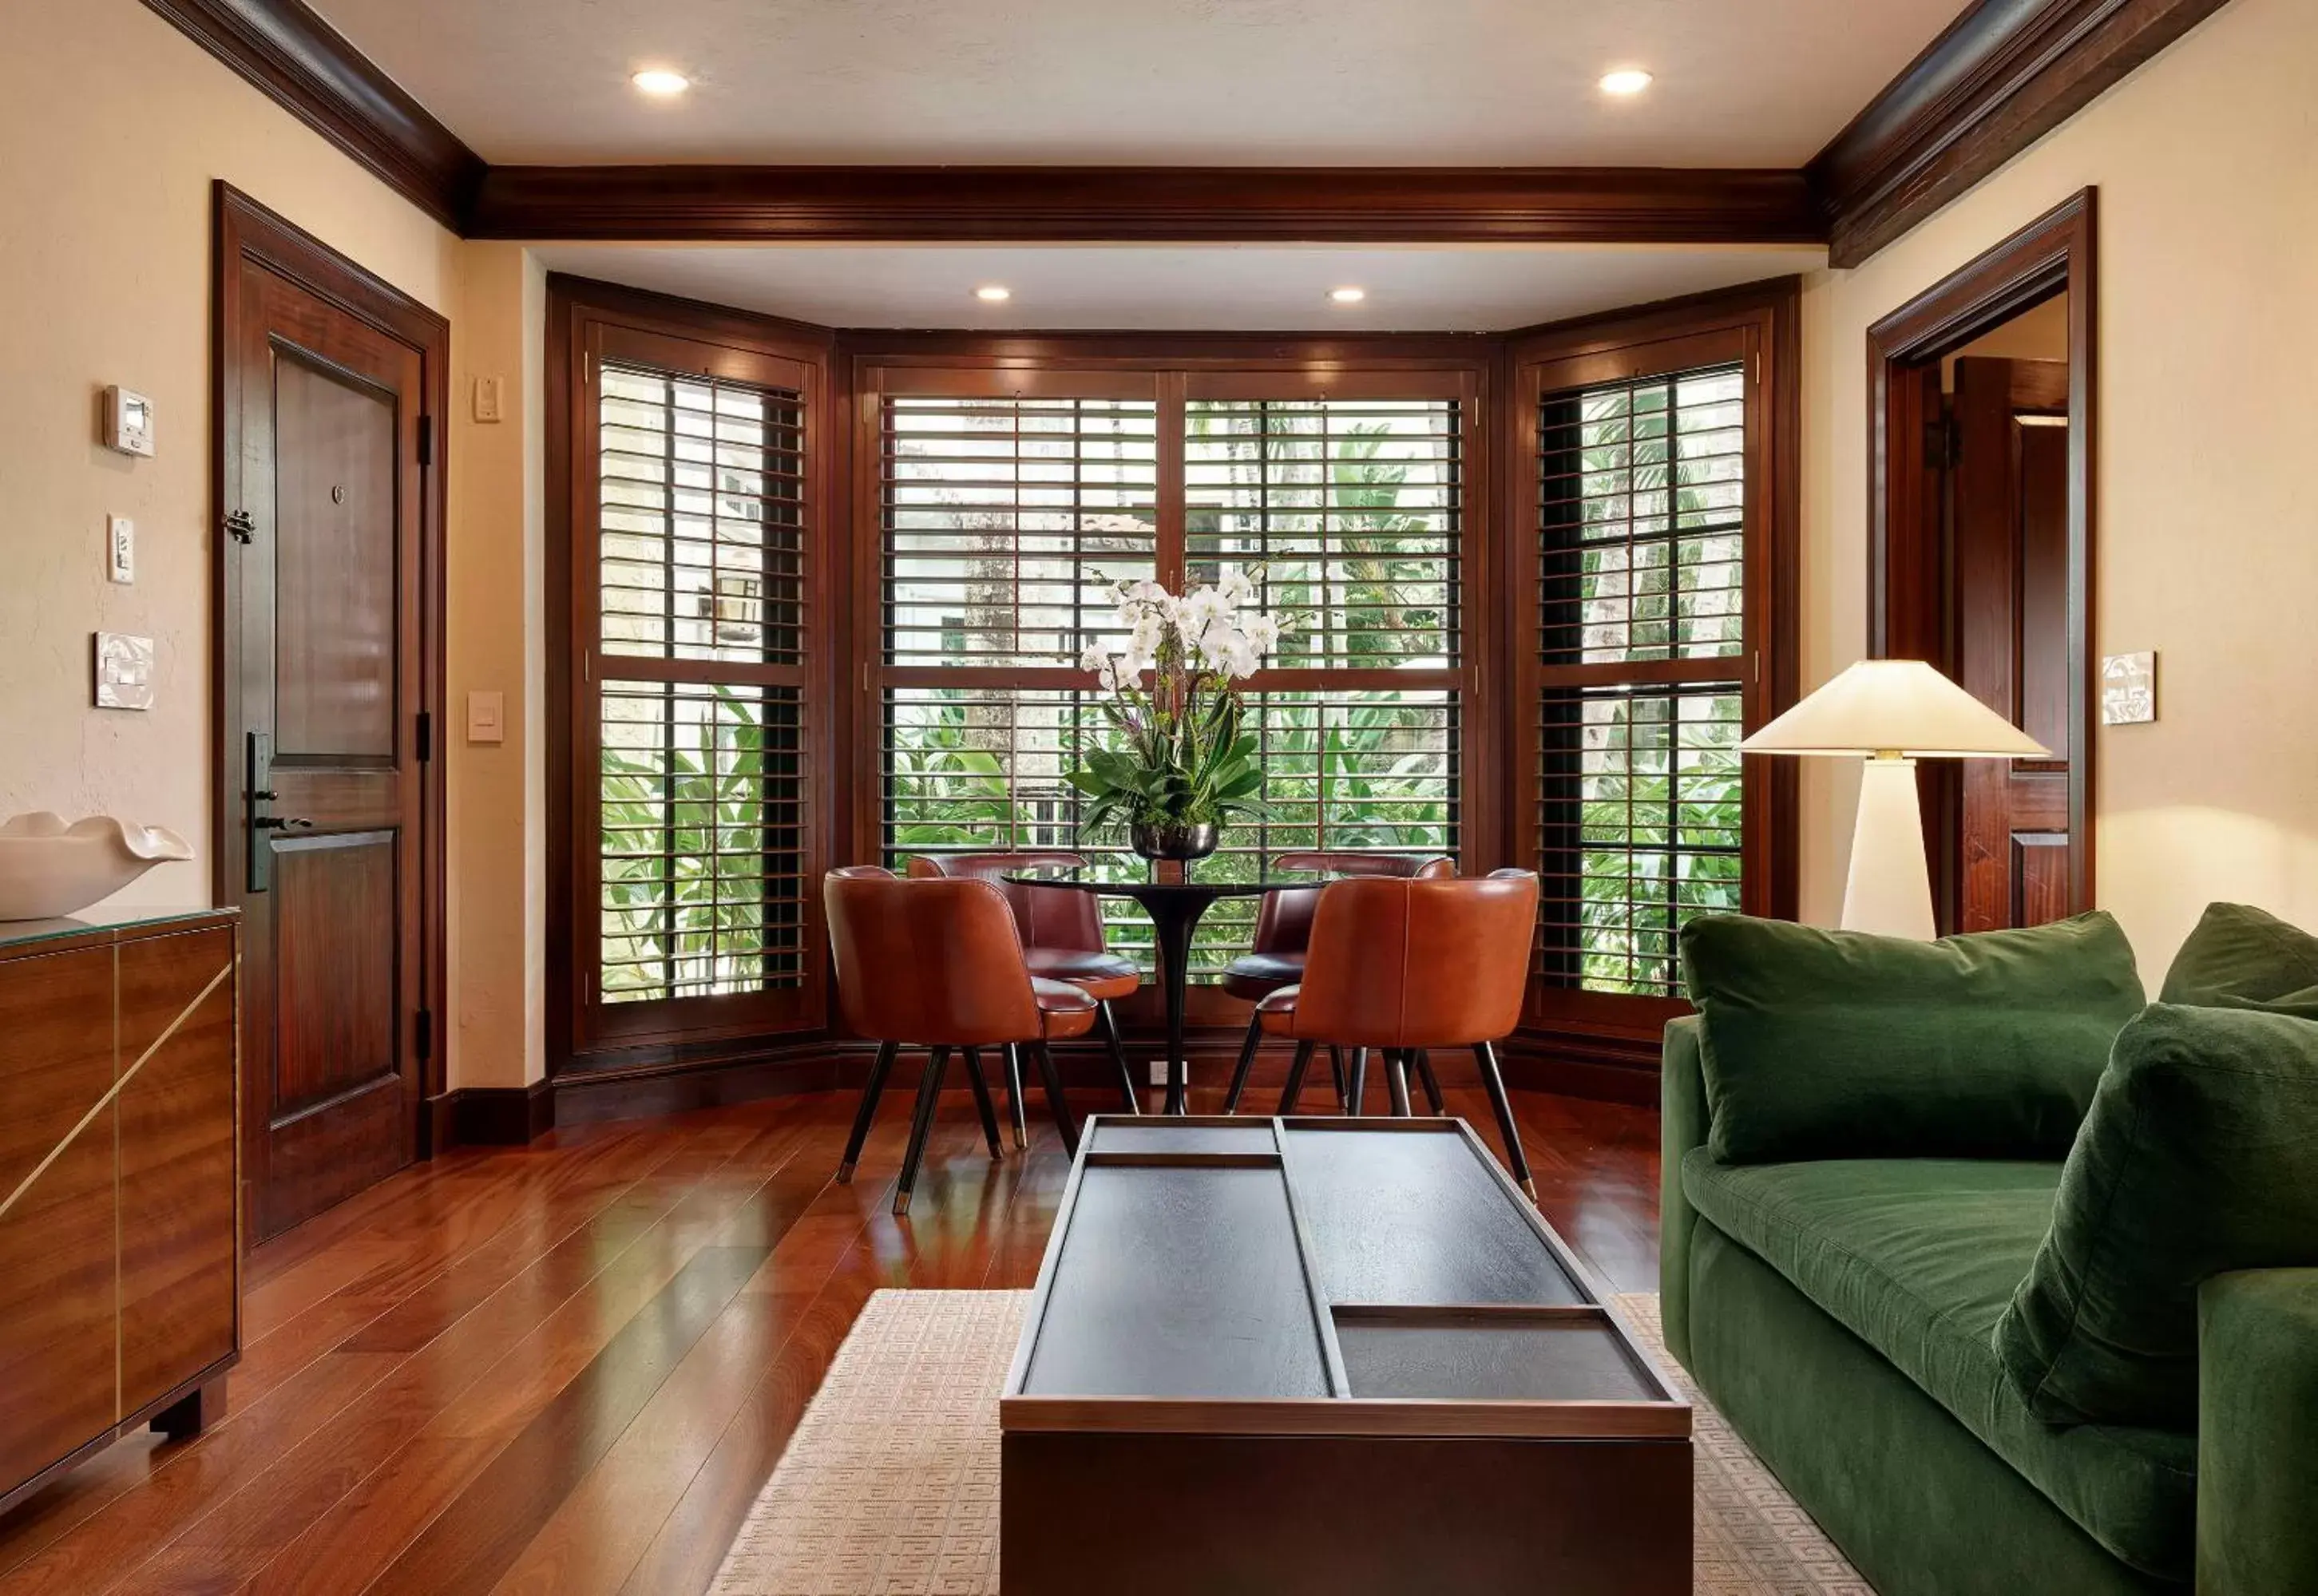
48, 868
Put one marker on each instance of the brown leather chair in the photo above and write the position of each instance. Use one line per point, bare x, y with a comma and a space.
1062, 941
1283, 929
1405, 965
939, 964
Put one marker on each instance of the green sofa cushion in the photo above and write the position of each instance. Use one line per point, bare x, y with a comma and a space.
1918, 1258
2239, 958
2200, 1156
1838, 1045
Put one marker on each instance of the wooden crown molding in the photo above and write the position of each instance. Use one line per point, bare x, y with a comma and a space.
1323, 204
310, 69
2004, 74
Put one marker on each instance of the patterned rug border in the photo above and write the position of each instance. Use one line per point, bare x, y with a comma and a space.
889, 1486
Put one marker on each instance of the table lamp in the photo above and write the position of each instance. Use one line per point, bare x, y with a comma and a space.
1894, 711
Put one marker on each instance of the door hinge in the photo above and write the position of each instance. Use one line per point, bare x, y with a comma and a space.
241, 526
426, 734
1943, 445
422, 1033
426, 440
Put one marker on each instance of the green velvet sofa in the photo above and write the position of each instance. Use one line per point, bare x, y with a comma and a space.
1842, 1312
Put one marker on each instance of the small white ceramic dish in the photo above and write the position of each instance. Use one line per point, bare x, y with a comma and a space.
48, 869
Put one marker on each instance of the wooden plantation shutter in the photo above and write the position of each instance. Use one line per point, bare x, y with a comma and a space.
1010, 501
1647, 566
1350, 496
699, 622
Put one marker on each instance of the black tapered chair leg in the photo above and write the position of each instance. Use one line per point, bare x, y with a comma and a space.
922, 1125
1423, 1062
981, 1105
1295, 1087
1014, 1103
1357, 1090
1494, 1082
1052, 1077
1395, 1074
1337, 1078
1119, 1057
882, 1067
1246, 1062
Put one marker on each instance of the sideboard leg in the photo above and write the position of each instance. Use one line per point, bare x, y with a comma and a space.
193, 1413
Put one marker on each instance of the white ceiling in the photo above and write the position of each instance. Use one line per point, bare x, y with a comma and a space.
1740, 83
1198, 287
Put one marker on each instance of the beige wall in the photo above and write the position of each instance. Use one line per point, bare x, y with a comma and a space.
114, 126
2208, 165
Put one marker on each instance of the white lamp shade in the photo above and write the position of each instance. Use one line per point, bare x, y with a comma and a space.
1895, 706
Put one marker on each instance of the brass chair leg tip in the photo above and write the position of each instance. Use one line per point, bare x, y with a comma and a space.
1021, 1143
845, 1174
902, 1206
1530, 1187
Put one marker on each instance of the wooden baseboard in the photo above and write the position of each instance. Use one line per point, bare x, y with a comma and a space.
508, 1116
491, 1115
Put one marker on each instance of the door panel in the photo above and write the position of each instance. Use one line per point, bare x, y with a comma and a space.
335, 582
323, 680
2011, 521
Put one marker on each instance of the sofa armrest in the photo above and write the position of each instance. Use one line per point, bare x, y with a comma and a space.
1683, 1122
2257, 1432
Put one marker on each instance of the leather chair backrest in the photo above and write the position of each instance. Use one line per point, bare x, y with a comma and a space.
1418, 963
1283, 923
934, 961
1047, 917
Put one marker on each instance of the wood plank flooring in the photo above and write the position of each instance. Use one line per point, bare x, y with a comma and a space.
568, 1368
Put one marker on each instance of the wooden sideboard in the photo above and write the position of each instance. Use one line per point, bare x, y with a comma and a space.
120, 1240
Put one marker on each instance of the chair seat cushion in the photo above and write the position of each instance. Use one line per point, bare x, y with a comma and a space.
1105, 976
1276, 1013
1253, 975
1065, 1010
1918, 1259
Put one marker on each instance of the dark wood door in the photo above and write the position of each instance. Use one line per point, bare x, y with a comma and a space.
2011, 564
321, 695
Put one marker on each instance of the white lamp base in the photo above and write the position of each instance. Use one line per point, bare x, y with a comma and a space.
1889, 891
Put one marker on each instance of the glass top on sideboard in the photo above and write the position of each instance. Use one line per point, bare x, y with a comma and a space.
130, 917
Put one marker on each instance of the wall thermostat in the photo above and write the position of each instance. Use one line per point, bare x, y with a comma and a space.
127, 421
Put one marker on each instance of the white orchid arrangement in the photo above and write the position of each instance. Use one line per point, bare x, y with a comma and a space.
1170, 682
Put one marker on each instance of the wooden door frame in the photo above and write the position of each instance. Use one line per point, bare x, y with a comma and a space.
2051, 254
246, 231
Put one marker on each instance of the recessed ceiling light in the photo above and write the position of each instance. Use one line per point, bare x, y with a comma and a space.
1626, 80
993, 294
1348, 296
660, 83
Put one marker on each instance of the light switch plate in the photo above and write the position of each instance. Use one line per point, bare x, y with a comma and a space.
487, 398
486, 717
121, 549
124, 671
2128, 688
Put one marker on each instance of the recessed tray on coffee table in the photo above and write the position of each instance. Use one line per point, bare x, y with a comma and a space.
1328, 1355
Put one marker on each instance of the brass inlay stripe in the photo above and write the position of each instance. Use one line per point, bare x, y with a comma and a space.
122, 1080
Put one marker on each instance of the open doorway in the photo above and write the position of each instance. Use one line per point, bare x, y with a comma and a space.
1981, 559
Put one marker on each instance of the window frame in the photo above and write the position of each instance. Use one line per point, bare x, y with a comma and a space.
1757, 327
1173, 371
588, 323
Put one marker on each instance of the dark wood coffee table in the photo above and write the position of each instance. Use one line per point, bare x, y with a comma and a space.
1328, 1355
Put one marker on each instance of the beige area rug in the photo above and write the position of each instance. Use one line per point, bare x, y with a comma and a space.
890, 1485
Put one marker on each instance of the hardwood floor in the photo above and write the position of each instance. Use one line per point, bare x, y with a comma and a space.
569, 1369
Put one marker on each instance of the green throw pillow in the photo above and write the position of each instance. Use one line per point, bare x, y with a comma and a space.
2200, 1156
1840, 1044
2239, 957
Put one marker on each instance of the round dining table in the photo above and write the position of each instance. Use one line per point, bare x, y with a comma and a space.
1175, 908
